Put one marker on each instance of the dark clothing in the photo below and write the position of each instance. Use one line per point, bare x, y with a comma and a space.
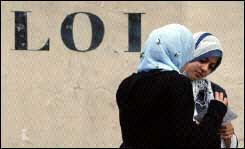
156, 110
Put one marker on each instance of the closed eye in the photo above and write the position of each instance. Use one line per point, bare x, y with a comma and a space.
203, 60
211, 66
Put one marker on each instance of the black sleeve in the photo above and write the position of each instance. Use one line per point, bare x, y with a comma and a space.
205, 134
217, 88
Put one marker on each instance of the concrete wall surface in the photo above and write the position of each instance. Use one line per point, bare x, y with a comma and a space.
67, 98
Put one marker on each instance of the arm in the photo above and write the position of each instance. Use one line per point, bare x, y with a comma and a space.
226, 131
204, 134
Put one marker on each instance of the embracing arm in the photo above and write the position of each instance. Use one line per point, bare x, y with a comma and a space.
206, 133
226, 131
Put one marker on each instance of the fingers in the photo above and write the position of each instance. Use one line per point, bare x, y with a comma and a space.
225, 101
226, 131
226, 137
222, 130
220, 97
216, 96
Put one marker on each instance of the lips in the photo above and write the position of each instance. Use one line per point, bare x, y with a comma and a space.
199, 75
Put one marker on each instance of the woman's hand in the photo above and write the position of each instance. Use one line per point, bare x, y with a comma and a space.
220, 97
226, 131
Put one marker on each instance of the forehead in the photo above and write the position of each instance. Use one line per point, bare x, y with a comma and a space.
213, 59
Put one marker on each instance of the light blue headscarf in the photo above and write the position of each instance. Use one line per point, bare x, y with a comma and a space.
167, 48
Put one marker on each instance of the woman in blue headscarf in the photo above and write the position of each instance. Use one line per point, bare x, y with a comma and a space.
156, 104
207, 57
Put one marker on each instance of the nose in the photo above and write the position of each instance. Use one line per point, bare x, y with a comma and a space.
204, 68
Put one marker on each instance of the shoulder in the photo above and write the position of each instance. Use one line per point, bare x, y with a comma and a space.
158, 78
162, 78
179, 79
176, 82
172, 78
125, 83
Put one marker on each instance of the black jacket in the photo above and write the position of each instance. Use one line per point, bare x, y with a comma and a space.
156, 110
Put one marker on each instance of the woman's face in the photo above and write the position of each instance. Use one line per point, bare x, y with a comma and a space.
200, 69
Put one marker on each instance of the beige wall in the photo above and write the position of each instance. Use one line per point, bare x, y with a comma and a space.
64, 98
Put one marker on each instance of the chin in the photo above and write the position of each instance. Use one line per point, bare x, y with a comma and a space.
194, 78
